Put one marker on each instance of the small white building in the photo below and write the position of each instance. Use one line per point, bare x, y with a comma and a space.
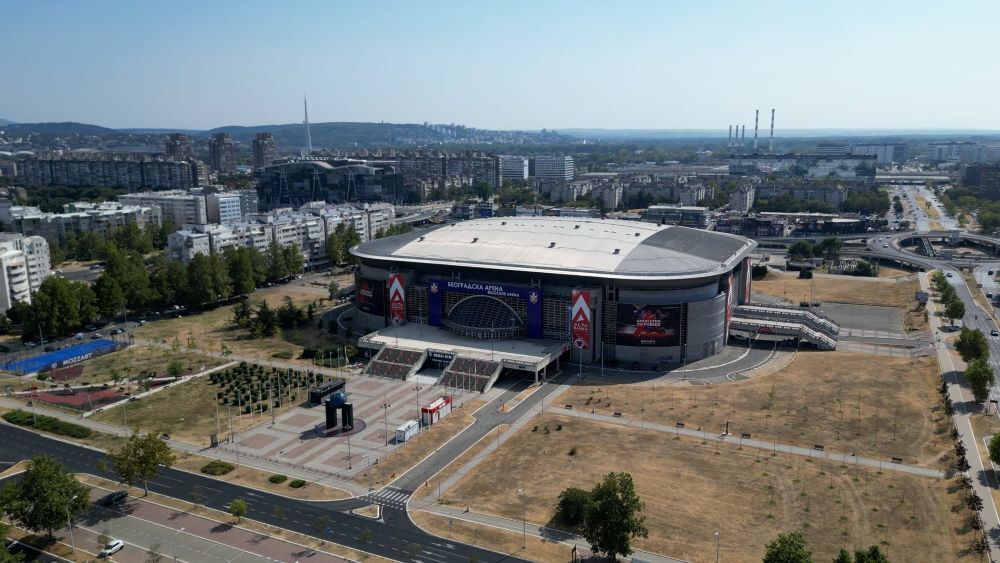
407, 431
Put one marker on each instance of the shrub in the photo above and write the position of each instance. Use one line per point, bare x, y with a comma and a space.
572, 451
573, 504
48, 424
276, 479
283, 355
296, 483
217, 467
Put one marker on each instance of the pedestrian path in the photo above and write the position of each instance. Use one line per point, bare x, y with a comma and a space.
391, 497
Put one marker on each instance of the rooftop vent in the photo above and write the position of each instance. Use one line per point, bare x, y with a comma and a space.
617, 251
552, 245
475, 240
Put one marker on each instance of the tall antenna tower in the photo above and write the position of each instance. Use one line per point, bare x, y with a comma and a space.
309, 140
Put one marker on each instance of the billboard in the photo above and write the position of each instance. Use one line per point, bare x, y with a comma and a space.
648, 325
370, 296
747, 266
580, 319
397, 299
531, 295
729, 300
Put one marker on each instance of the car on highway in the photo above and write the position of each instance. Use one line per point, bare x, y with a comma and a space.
995, 332
885, 245
950, 275
113, 546
117, 331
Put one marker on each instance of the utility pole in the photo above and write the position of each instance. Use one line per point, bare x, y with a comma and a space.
385, 419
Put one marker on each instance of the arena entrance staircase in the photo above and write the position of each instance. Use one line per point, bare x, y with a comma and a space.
788, 321
470, 374
395, 363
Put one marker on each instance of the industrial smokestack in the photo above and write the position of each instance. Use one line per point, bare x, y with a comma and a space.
743, 136
756, 117
730, 135
770, 144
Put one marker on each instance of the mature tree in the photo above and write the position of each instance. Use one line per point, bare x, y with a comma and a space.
349, 237
40, 499
5, 555
175, 368
871, 555
830, 247
276, 268
242, 313
238, 508
994, 448
954, 309
266, 321
788, 548
168, 282
801, 250
972, 344
141, 457
222, 286
200, 281
613, 517
110, 297
332, 290
980, 376
573, 506
293, 260
334, 249
241, 272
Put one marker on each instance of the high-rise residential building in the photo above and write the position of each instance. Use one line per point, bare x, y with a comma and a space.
221, 153
178, 147
225, 208
120, 170
265, 150
24, 264
741, 198
554, 168
513, 168
178, 207
76, 218
885, 153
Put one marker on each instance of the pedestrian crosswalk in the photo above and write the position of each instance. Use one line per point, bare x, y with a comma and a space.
390, 497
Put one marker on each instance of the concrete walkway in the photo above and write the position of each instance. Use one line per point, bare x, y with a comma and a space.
293, 472
534, 530
962, 402
881, 465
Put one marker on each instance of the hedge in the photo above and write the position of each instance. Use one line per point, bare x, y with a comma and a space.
297, 483
48, 424
277, 478
217, 468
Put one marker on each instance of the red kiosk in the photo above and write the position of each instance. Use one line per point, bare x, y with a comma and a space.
435, 411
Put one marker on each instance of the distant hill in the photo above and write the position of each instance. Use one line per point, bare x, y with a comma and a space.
60, 129
334, 134
7, 122
156, 131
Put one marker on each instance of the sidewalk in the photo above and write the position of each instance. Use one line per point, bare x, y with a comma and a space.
882, 465
534, 530
991, 520
212, 453
188, 537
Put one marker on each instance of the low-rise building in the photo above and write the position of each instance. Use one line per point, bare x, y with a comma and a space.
682, 215
76, 218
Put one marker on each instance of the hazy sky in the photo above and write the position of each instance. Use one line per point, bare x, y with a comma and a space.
503, 64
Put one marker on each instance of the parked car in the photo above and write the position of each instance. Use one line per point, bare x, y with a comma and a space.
113, 546
95, 336
950, 275
30, 344
79, 336
114, 498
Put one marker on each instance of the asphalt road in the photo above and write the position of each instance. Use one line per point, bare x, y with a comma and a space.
329, 520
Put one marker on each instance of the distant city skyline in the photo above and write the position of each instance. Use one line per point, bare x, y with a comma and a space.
511, 65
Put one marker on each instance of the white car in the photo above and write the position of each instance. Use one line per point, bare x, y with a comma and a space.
114, 546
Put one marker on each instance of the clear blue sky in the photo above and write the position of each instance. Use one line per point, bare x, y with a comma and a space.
503, 64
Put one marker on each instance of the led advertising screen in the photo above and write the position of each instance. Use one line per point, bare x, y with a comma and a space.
370, 296
649, 325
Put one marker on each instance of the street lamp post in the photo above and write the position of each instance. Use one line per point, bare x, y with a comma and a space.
69, 520
716, 546
417, 389
385, 419
177, 533
524, 520
349, 464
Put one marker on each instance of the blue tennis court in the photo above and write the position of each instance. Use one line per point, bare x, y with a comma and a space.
66, 356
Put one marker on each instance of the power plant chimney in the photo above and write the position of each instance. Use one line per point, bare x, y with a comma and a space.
770, 145
730, 135
756, 117
743, 136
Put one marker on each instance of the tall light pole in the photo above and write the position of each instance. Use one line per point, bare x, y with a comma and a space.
177, 533
524, 520
349, 464
417, 388
69, 519
716, 546
385, 419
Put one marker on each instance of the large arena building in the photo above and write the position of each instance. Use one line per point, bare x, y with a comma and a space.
603, 290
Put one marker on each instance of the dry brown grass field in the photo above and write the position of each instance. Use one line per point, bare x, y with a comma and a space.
534, 549
258, 479
874, 406
140, 358
691, 488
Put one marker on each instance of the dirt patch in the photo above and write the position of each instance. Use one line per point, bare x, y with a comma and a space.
257, 479
387, 468
692, 488
846, 289
929, 209
137, 359
479, 449
827, 398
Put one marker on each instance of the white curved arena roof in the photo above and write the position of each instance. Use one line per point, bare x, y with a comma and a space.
566, 245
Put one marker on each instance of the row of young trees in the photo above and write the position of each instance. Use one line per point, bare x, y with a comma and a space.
954, 308
132, 282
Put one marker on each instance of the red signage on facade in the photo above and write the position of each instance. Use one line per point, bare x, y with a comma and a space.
580, 319
397, 299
